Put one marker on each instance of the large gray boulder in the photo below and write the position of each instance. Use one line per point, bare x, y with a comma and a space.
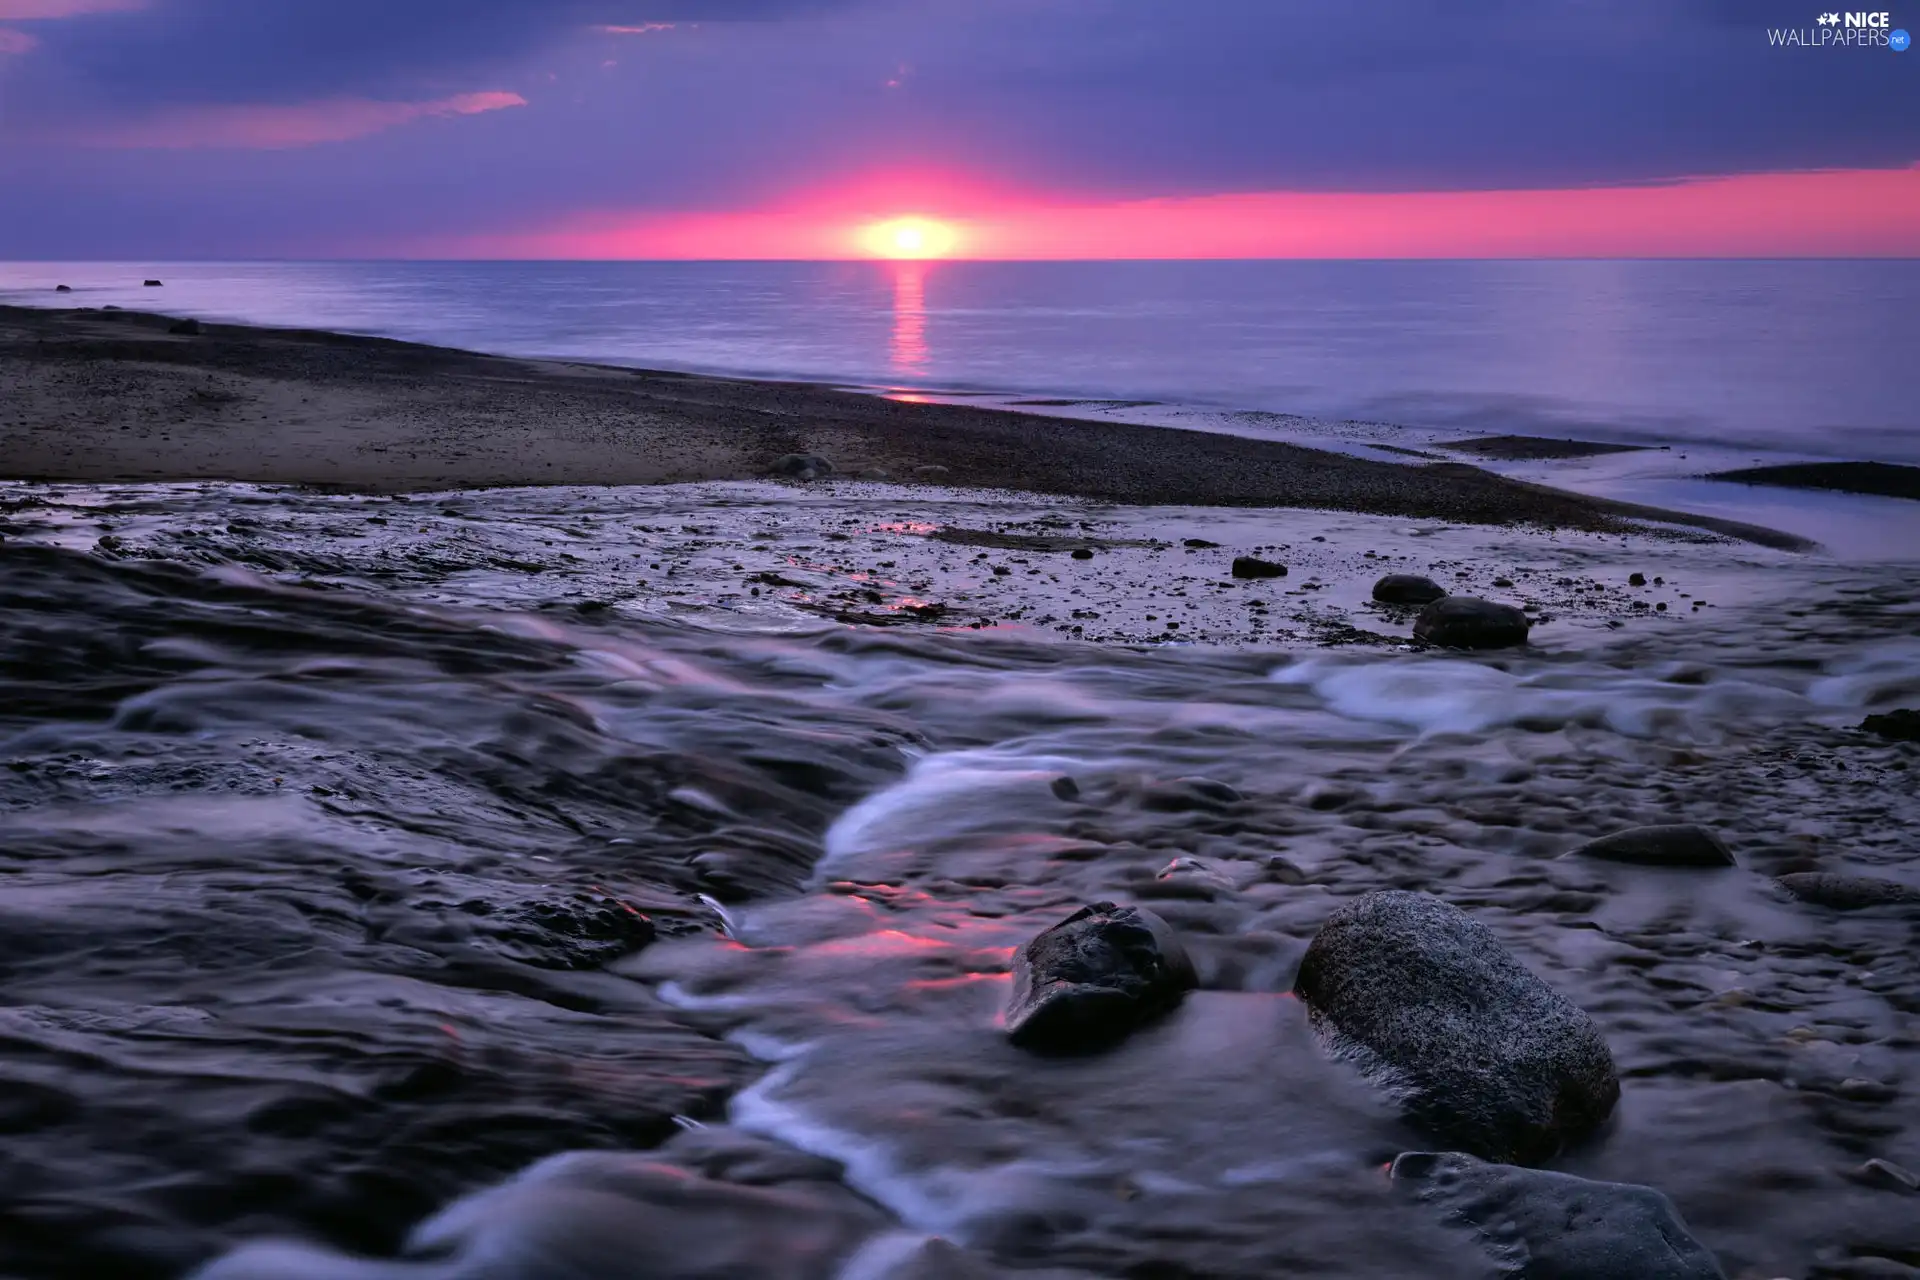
1552, 1226
1479, 1052
1675, 845
1085, 982
1468, 622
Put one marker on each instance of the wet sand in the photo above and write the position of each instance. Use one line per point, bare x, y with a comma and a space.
1880, 479
116, 396
1537, 448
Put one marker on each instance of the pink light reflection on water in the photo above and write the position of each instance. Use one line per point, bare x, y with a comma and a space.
909, 347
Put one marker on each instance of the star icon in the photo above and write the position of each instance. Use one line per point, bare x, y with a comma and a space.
1829, 19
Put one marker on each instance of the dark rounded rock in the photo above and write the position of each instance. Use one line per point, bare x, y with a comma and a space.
63, 288
1087, 981
1847, 893
802, 466
1467, 622
1902, 725
188, 327
1538, 1225
1082, 553
1673, 845
1636, 579
1407, 588
1255, 567
1479, 1051
1184, 795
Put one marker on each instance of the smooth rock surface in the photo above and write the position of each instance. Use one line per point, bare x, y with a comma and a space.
1538, 1225
602, 1214
1255, 567
1087, 981
1477, 1049
1847, 893
1407, 588
1468, 622
1669, 845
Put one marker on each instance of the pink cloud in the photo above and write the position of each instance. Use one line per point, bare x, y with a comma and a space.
16, 42
1832, 213
644, 29
38, 10
278, 128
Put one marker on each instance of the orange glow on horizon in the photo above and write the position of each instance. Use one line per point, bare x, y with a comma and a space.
910, 238
1824, 213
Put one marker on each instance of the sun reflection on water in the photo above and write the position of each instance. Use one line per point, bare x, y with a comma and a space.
909, 349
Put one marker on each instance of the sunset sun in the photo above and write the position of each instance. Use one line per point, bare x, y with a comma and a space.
910, 238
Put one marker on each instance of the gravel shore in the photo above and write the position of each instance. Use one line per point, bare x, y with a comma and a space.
117, 396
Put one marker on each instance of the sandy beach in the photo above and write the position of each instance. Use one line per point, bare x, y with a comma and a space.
99, 395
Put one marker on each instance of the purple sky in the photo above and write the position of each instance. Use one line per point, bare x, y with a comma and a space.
290, 127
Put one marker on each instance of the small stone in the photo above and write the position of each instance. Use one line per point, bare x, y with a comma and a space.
1847, 893
1466, 622
1407, 588
1636, 579
63, 288
1086, 982
1503, 582
1065, 788
1886, 1173
802, 466
1538, 1225
1190, 877
1082, 553
1200, 544
1185, 795
1902, 725
1674, 845
1254, 567
152, 284
1860, 1089
1282, 871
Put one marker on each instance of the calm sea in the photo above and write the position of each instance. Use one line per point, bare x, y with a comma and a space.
1796, 357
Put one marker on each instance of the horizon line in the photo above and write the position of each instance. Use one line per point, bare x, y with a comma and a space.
879, 261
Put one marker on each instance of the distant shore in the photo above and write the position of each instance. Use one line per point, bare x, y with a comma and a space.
99, 396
